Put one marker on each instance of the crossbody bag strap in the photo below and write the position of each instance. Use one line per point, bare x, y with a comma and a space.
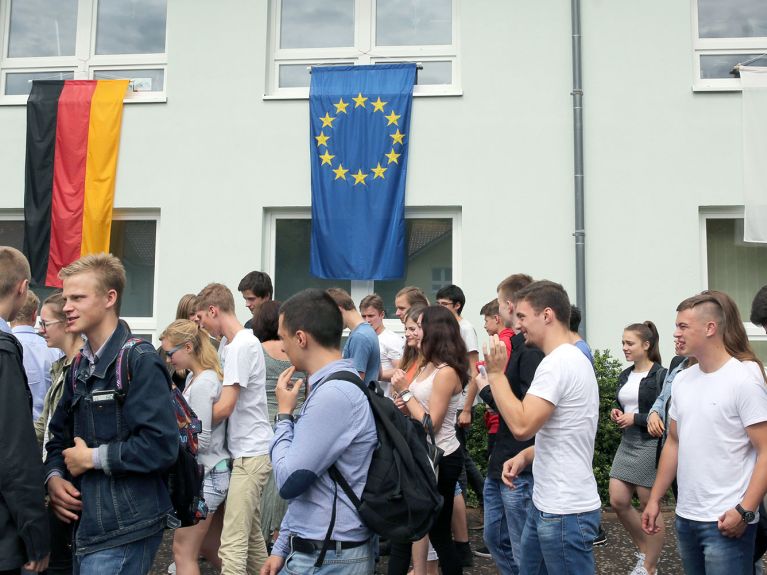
329, 534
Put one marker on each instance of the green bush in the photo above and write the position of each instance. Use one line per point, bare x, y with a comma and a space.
608, 435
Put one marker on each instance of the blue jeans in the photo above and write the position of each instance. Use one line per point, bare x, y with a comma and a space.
355, 561
506, 511
559, 544
705, 551
130, 559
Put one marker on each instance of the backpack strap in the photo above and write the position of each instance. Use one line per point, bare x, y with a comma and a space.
122, 370
73, 369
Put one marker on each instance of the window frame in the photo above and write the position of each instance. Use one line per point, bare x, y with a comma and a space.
719, 46
363, 52
84, 61
139, 324
361, 288
754, 332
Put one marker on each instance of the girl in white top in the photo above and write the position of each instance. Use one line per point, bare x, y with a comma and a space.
188, 347
437, 391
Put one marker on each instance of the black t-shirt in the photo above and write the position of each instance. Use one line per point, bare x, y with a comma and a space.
520, 372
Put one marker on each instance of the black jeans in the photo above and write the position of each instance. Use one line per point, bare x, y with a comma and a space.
440, 535
470, 472
61, 546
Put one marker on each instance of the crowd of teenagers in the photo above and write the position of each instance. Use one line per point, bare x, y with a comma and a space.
287, 430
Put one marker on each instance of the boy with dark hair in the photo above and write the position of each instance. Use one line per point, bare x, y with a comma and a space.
561, 409
24, 533
759, 308
576, 339
336, 427
494, 324
109, 478
390, 344
362, 345
243, 402
256, 288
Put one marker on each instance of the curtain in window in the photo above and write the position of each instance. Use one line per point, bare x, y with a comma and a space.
754, 82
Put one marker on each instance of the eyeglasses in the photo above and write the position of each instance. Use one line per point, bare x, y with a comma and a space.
44, 324
170, 352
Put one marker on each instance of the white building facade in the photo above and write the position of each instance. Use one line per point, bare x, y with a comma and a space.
213, 177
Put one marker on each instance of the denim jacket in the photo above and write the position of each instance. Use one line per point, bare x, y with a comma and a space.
137, 438
649, 388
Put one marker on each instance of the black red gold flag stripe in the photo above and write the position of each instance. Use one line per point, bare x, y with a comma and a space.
73, 137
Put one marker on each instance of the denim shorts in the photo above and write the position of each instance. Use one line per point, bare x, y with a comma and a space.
215, 487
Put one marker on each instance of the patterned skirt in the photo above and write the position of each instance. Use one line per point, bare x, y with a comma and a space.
634, 461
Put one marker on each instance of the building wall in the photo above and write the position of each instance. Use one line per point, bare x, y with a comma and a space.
217, 154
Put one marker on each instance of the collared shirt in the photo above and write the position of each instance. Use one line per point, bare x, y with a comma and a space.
38, 358
335, 426
93, 358
5, 326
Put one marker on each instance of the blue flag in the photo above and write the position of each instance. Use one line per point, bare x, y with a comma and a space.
360, 118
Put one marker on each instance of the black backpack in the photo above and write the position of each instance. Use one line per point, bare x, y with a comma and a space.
400, 500
185, 476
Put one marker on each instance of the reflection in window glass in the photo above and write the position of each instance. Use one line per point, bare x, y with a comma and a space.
150, 80
20, 83
435, 73
732, 19
42, 28
131, 27
312, 24
298, 75
720, 65
429, 260
734, 267
414, 22
291, 269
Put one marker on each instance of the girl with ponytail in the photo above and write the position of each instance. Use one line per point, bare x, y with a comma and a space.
633, 468
188, 347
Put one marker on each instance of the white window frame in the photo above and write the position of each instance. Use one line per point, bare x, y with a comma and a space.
364, 52
140, 325
754, 332
360, 288
85, 60
717, 46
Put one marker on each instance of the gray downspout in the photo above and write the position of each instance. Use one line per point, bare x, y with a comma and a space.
580, 233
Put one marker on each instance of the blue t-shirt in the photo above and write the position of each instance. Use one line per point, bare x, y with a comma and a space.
584, 347
362, 348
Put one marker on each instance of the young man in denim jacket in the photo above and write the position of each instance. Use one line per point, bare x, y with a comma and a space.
109, 448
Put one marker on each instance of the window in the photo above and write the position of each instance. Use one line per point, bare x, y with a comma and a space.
134, 241
82, 39
306, 33
432, 243
726, 34
734, 266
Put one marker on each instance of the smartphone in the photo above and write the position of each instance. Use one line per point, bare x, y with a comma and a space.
482, 370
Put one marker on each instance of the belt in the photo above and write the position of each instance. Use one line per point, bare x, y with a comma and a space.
310, 546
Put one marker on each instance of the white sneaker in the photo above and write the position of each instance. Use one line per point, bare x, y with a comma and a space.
639, 567
172, 568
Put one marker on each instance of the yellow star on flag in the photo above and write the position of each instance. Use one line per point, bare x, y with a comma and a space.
392, 118
397, 137
322, 139
326, 158
340, 172
327, 120
393, 156
341, 106
359, 177
359, 100
379, 171
378, 105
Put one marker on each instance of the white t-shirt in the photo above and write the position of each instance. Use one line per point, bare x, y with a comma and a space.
629, 393
249, 430
564, 446
716, 458
468, 334
391, 346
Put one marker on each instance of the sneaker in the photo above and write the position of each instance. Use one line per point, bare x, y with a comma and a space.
482, 552
601, 538
639, 567
172, 568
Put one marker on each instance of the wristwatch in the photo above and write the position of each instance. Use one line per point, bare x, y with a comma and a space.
748, 516
283, 417
406, 395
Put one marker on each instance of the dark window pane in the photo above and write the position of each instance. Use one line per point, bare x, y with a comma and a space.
429, 262
20, 83
134, 243
291, 270
720, 65
148, 80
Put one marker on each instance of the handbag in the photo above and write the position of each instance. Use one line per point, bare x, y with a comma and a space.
435, 453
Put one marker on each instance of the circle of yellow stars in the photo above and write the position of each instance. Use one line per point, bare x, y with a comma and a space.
378, 171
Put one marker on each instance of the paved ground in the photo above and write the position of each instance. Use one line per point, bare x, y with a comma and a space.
615, 558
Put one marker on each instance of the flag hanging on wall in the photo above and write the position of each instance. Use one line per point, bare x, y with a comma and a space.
360, 119
73, 136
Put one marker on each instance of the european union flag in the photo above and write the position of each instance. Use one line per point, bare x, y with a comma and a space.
360, 117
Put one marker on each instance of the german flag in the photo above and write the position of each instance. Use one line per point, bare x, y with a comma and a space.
73, 136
